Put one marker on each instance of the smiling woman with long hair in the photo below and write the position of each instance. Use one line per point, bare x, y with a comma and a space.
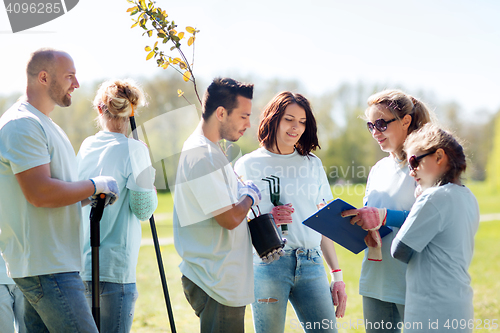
288, 135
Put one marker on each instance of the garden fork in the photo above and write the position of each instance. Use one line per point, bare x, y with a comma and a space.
274, 192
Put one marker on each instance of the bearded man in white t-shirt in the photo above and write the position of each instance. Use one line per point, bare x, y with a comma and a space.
41, 199
210, 206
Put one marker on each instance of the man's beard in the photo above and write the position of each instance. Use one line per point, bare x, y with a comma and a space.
57, 94
226, 132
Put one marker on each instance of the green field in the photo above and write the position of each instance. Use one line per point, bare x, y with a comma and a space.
151, 315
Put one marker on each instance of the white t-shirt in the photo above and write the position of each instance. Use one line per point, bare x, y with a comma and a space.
389, 186
128, 162
36, 241
216, 259
440, 228
303, 183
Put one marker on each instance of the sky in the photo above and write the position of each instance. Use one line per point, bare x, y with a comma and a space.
448, 47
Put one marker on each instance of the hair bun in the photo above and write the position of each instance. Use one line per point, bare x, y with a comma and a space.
120, 97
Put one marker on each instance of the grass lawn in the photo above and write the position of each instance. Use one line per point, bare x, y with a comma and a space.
150, 310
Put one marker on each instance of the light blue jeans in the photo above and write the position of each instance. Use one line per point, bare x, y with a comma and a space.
298, 276
382, 317
11, 309
117, 303
56, 303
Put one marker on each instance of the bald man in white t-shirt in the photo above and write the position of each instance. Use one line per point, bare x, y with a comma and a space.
41, 200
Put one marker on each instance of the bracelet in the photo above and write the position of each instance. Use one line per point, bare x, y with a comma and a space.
337, 275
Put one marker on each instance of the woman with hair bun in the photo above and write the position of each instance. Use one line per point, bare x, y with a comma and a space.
392, 115
437, 239
111, 153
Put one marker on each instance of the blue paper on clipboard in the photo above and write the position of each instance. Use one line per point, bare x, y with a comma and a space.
328, 222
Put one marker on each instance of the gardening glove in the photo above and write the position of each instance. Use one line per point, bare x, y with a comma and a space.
374, 243
250, 189
282, 214
339, 296
106, 185
368, 218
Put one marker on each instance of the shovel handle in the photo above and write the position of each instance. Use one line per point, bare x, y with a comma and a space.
95, 218
96, 212
95, 242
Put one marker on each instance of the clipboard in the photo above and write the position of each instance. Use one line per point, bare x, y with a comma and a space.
328, 222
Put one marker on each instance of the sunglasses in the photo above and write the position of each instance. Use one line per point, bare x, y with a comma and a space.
414, 161
380, 125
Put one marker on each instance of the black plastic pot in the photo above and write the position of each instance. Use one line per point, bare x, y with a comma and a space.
265, 235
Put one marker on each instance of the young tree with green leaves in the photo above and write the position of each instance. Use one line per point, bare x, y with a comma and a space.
155, 21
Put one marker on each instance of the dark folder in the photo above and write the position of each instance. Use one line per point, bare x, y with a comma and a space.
328, 222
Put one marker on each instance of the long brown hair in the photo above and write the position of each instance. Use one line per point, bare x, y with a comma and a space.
272, 115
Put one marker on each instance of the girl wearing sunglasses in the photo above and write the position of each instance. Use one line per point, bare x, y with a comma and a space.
437, 239
392, 115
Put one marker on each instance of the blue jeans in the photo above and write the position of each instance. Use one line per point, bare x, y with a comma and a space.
11, 309
117, 303
56, 303
382, 317
214, 317
298, 276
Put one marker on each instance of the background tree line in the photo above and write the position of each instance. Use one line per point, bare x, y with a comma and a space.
347, 149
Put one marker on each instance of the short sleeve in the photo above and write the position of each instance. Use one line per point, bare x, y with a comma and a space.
143, 174
214, 190
422, 225
24, 144
206, 184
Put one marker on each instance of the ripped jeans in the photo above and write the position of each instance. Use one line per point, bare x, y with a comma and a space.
298, 276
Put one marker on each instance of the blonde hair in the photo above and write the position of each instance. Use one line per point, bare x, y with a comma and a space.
401, 104
430, 138
117, 99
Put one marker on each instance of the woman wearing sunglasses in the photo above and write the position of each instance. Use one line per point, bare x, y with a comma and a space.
437, 239
392, 115
288, 135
